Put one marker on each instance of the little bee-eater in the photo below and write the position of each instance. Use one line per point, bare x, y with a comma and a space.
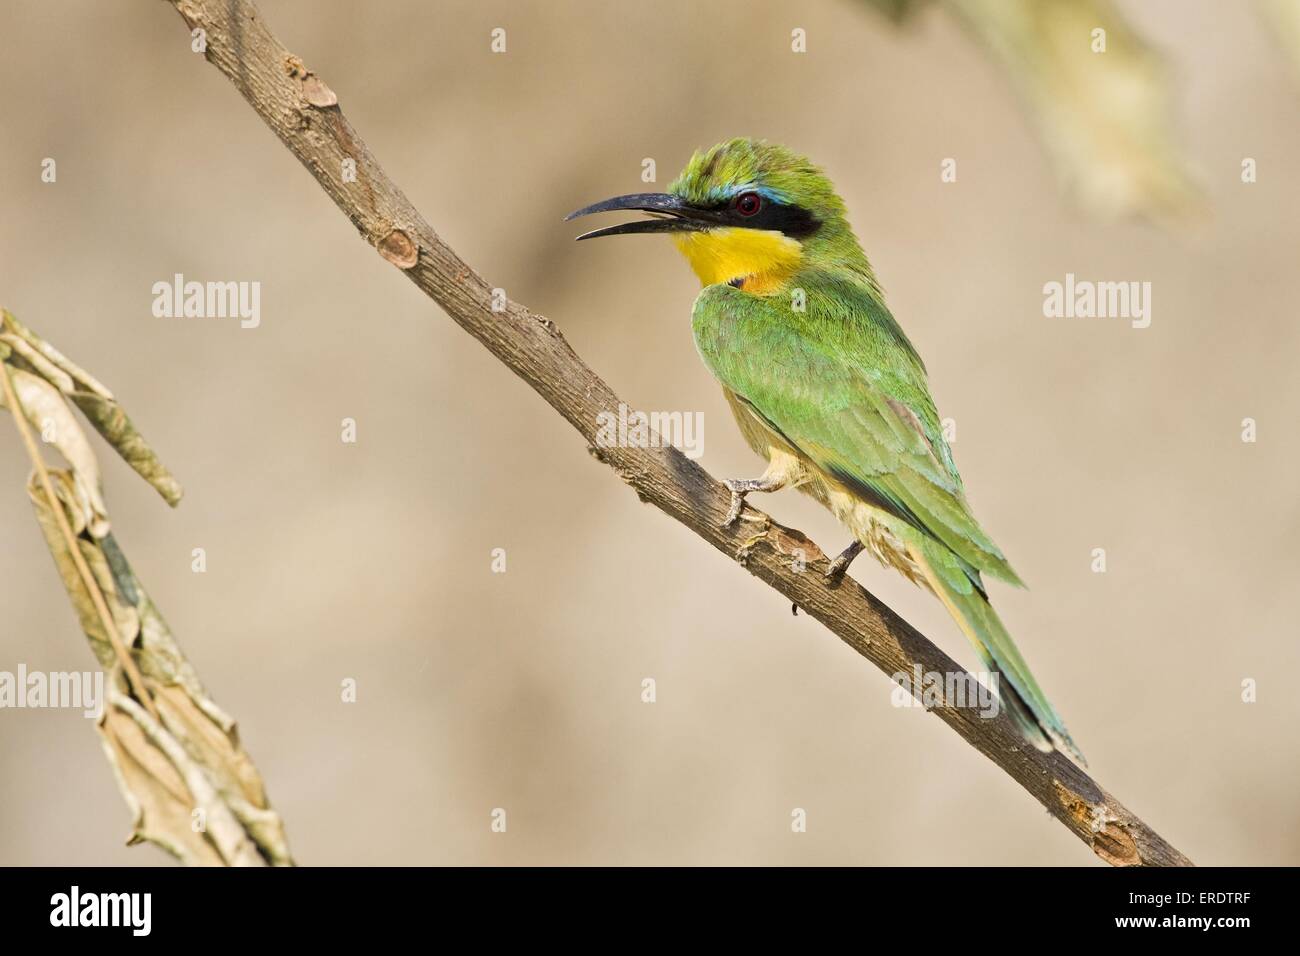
825, 385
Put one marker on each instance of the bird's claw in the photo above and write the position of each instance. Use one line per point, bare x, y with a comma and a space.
737, 503
835, 572
747, 547
739, 487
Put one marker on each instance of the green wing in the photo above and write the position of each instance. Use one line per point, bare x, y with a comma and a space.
843, 385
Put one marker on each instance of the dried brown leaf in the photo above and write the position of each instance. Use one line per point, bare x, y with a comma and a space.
22, 347
51, 417
193, 759
111, 421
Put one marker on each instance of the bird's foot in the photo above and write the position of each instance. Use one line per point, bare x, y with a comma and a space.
739, 487
841, 564
747, 547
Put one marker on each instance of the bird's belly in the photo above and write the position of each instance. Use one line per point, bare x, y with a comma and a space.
868, 524
871, 526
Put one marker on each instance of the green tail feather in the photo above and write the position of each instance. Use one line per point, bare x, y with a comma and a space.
1020, 693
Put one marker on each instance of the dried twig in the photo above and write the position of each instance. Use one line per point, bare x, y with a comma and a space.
176, 756
303, 111
106, 621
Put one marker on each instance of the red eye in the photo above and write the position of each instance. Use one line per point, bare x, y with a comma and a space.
748, 204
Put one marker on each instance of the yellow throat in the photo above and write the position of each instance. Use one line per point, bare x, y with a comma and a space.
763, 259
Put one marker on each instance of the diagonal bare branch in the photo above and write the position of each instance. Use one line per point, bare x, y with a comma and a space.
303, 111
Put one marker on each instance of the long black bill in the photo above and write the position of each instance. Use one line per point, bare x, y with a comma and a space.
671, 215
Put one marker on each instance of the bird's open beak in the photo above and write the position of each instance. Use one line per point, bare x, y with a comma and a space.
671, 214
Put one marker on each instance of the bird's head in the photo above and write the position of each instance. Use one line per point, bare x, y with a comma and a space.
745, 212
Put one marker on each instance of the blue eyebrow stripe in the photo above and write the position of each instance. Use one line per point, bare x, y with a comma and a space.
725, 194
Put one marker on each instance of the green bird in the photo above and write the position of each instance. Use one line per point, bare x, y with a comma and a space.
826, 386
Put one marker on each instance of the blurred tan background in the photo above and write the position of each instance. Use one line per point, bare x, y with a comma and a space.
522, 690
